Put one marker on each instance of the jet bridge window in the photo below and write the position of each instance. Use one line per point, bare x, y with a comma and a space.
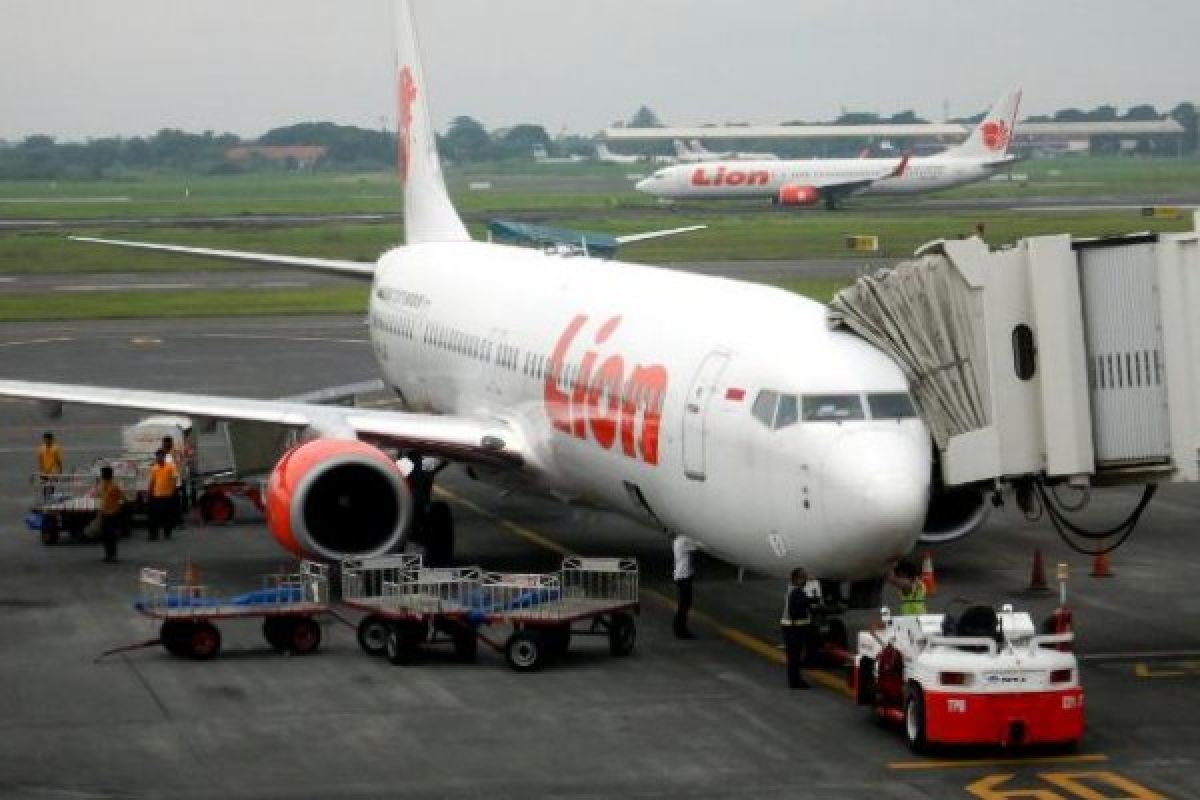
891, 405
832, 407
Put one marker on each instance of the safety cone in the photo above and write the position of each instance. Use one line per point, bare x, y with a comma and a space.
927, 574
1037, 578
1100, 567
191, 575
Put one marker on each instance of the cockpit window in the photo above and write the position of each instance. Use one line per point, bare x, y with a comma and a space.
832, 407
891, 405
764, 407
788, 413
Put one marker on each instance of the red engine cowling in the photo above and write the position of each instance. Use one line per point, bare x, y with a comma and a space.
793, 195
336, 498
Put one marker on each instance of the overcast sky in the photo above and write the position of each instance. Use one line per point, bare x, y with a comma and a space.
86, 68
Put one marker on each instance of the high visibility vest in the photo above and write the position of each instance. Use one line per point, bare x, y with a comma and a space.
162, 480
111, 498
913, 600
49, 459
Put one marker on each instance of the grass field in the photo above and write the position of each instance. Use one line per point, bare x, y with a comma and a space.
598, 194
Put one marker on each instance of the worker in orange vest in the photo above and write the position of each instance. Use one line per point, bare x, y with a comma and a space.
49, 463
161, 497
110, 502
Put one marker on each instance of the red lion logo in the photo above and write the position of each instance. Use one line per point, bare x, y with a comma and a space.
406, 95
995, 135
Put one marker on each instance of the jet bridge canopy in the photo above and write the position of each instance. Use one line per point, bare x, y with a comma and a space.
1057, 357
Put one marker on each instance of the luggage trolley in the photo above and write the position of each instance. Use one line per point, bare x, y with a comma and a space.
408, 605
287, 603
66, 503
587, 597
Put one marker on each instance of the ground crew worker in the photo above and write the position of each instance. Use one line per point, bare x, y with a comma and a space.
174, 458
49, 463
163, 503
109, 502
682, 549
907, 579
797, 625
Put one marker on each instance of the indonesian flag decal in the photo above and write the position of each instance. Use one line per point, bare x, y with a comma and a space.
406, 95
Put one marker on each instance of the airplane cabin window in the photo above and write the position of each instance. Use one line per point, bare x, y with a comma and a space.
832, 407
891, 405
764, 407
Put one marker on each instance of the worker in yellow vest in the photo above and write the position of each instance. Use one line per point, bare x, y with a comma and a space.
907, 580
162, 500
110, 502
49, 463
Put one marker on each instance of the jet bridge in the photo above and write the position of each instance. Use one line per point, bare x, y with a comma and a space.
1056, 359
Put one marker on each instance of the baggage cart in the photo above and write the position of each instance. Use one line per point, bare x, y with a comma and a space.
287, 604
529, 617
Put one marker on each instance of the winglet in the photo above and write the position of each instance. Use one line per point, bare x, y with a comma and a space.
429, 216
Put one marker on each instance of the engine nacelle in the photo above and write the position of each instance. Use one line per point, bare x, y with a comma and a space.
953, 513
335, 498
793, 195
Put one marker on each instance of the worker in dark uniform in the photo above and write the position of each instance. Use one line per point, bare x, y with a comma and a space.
797, 625
109, 505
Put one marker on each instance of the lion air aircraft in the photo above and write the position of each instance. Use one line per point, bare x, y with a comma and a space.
721, 410
811, 181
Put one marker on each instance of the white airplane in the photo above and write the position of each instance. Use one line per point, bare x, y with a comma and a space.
695, 152
608, 156
810, 181
542, 157
725, 411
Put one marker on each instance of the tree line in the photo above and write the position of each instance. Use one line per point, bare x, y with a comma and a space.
466, 140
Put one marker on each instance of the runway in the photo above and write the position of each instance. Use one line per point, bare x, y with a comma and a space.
703, 719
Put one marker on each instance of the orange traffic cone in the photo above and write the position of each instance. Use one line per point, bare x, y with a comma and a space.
1037, 578
1100, 567
927, 574
191, 575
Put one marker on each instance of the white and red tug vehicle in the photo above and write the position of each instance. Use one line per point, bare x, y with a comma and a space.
983, 678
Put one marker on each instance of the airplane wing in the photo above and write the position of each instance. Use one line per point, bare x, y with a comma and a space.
640, 237
356, 269
456, 437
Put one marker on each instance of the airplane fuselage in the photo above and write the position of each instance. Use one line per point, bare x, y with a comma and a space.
741, 179
629, 403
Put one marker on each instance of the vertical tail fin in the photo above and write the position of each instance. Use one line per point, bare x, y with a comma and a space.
994, 133
429, 216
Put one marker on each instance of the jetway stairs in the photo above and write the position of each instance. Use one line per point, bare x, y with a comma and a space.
1056, 359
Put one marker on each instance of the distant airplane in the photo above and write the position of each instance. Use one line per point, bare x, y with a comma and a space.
608, 156
811, 181
542, 157
694, 152
722, 410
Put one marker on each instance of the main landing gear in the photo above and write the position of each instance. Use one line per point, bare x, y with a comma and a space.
433, 524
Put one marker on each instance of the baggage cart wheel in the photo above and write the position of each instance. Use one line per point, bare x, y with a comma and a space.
914, 718
864, 687
622, 634
216, 509
176, 636
49, 530
403, 639
205, 641
372, 634
304, 635
525, 651
275, 632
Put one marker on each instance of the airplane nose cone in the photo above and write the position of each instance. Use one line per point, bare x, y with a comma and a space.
877, 491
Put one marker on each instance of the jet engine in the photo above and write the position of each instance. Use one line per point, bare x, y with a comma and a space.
793, 195
953, 513
335, 498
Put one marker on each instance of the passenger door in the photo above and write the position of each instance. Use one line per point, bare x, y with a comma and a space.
695, 413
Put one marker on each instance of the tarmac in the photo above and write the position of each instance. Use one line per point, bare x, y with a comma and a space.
709, 718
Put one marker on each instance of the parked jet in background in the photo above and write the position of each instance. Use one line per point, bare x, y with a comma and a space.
811, 181
604, 154
542, 157
695, 152
725, 411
